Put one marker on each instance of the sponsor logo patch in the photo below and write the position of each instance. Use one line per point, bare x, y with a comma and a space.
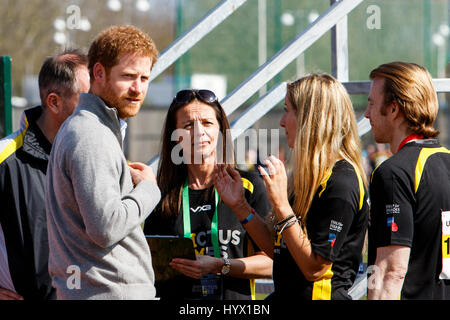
332, 239
391, 211
199, 209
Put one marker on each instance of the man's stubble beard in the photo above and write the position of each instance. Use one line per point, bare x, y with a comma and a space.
124, 109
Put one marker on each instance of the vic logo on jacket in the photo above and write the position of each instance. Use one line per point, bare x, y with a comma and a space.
200, 209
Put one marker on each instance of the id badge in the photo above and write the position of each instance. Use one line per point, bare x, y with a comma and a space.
211, 285
445, 274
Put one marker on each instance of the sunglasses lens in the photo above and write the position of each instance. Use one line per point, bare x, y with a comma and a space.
207, 96
184, 96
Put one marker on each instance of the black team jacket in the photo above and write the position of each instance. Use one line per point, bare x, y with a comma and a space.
23, 164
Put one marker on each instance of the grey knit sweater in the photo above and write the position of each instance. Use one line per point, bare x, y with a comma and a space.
94, 214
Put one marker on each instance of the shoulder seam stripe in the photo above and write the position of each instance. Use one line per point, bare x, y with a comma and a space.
247, 184
371, 176
15, 142
361, 187
324, 182
424, 154
12, 147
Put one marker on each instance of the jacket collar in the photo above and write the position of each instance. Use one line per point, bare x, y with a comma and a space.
428, 143
106, 115
34, 141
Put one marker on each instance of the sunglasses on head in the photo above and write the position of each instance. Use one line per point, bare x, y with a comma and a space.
186, 96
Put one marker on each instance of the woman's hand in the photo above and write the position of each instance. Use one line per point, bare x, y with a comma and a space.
276, 184
197, 268
229, 186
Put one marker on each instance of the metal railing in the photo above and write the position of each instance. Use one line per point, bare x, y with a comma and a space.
188, 39
5, 96
332, 17
288, 53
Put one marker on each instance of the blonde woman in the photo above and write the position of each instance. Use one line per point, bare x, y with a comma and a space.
321, 219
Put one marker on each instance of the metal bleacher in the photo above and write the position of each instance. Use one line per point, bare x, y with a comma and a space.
334, 18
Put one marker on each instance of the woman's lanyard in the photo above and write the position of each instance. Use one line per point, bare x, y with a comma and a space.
187, 219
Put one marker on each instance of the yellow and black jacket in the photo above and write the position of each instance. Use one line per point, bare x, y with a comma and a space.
336, 224
23, 164
409, 192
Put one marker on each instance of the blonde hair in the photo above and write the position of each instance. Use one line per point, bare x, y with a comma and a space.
326, 133
411, 87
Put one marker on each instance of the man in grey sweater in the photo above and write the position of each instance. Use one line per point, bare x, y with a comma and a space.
96, 201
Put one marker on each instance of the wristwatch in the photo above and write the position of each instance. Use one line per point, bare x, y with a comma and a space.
226, 267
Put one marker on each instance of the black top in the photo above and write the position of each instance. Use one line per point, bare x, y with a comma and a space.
233, 240
408, 193
23, 166
336, 224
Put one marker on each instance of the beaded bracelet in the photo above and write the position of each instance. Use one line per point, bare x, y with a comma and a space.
288, 224
279, 224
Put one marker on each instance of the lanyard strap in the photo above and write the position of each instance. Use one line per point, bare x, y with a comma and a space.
187, 219
408, 139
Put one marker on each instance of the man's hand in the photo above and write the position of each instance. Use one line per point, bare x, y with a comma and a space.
6, 294
140, 171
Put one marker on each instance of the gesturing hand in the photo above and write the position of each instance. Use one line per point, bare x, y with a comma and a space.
228, 184
276, 182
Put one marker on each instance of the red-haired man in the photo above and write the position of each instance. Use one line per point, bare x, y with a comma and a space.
96, 202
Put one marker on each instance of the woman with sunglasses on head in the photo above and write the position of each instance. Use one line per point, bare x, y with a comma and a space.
321, 213
226, 258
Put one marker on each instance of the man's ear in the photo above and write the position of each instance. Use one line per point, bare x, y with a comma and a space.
54, 103
394, 107
99, 72
395, 111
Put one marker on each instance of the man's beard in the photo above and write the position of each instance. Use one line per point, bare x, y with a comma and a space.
124, 108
